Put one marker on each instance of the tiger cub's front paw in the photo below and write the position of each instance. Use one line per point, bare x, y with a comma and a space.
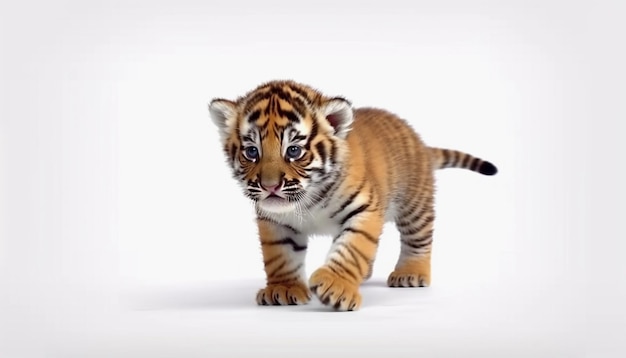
334, 290
294, 293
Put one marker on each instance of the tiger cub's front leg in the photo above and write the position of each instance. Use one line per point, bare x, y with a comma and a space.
349, 261
284, 250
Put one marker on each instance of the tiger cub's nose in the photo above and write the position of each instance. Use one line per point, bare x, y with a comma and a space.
271, 188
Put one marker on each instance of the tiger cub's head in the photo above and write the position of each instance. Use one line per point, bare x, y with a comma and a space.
285, 143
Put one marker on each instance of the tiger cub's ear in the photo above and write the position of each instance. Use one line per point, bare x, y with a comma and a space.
338, 112
224, 114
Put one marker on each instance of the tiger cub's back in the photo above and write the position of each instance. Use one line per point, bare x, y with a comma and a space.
395, 158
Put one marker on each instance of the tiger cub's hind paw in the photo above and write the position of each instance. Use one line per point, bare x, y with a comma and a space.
295, 293
414, 272
405, 279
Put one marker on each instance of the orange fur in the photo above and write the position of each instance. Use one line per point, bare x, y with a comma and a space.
314, 165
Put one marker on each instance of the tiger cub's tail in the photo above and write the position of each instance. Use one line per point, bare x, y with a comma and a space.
448, 158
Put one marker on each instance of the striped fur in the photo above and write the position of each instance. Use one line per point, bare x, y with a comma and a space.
314, 165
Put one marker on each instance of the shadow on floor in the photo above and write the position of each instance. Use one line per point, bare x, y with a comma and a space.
241, 294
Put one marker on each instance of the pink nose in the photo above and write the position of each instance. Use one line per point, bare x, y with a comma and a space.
271, 188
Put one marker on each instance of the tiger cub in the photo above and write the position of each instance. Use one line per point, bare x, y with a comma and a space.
313, 164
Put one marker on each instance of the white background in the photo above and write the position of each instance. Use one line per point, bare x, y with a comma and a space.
123, 234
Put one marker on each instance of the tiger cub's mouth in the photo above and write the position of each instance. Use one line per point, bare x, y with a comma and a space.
276, 203
274, 199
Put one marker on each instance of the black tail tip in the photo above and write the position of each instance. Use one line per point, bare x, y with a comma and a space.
487, 168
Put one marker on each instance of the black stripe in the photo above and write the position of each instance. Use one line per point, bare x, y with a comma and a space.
281, 94
446, 158
291, 228
344, 268
402, 221
302, 172
306, 159
323, 194
338, 252
277, 134
356, 260
264, 87
373, 199
296, 103
465, 160
302, 93
264, 126
365, 234
348, 201
233, 152
311, 136
409, 207
338, 98
285, 241
455, 158
274, 271
321, 151
299, 105
254, 116
415, 230
291, 116
425, 209
334, 180
255, 99
353, 213
271, 281
352, 247
333, 270
417, 246
428, 234
274, 105
271, 104
314, 131
315, 170
333, 153
329, 190
474, 165
272, 260
335, 186
287, 273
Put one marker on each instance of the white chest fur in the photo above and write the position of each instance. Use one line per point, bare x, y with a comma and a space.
320, 220
314, 222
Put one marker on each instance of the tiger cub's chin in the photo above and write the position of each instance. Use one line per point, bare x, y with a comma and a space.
276, 205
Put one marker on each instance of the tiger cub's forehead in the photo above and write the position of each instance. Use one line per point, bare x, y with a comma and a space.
278, 116
274, 126
270, 95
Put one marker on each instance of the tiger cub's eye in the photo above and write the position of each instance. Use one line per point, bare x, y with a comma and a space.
294, 152
252, 153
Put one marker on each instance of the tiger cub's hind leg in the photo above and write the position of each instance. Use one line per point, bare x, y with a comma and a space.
416, 238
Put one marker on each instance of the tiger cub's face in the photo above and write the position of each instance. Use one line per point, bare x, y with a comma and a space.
284, 142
